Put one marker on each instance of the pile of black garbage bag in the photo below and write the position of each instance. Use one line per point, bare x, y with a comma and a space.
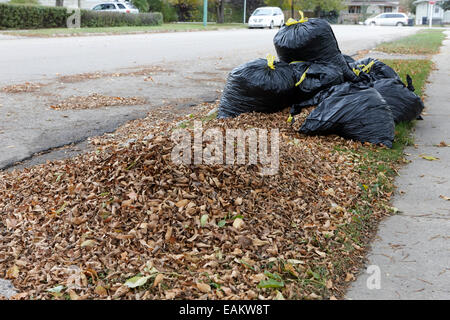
360, 100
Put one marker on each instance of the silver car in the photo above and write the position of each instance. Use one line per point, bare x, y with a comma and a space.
388, 19
125, 7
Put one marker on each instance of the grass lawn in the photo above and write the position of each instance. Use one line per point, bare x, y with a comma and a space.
423, 42
382, 163
168, 27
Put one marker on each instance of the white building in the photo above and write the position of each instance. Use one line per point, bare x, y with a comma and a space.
423, 12
359, 10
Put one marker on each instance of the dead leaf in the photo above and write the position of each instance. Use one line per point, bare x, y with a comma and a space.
182, 203
238, 223
203, 287
429, 158
101, 291
12, 272
158, 279
349, 277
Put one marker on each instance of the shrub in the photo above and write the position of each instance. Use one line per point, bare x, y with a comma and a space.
95, 19
33, 17
14, 16
28, 2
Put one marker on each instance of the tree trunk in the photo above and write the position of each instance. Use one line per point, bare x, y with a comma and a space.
59, 3
292, 9
220, 11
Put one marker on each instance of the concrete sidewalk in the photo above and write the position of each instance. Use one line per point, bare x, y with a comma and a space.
412, 248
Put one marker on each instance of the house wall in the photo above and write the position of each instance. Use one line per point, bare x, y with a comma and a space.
372, 9
447, 16
422, 11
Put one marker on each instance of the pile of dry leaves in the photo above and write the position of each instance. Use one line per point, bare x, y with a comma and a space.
95, 101
23, 87
126, 222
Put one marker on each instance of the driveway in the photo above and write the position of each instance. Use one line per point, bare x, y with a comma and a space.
178, 69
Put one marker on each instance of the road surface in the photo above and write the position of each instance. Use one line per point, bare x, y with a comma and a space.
180, 69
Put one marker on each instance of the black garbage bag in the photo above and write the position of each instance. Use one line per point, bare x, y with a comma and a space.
310, 40
298, 105
260, 85
311, 78
404, 103
374, 68
348, 58
353, 111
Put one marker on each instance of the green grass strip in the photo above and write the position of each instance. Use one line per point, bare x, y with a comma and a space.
423, 42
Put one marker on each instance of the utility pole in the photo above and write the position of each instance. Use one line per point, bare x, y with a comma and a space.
205, 12
430, 4
245, 9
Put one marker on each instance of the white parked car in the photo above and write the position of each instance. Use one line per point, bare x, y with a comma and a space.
125, 7
388, 19
266, 17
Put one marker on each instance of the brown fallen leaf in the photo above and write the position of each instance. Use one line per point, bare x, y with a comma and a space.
12, 272
101, 291
73, 295
158, 279
182, 203
238, 223
349, 277
203, 287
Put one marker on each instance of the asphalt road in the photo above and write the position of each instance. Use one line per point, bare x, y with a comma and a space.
190, 67
27, 59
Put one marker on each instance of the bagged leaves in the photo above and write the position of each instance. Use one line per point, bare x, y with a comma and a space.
353, 111
348, 58
404, 103
310, 40
297, 107
314, 77
261, 85
375, 69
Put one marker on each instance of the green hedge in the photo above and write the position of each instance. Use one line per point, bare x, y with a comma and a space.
38, 17
93, 19
14, 16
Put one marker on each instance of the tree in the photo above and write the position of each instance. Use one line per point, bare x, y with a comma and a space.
220, 10
445, 5
185, 8
142, 5
408, 5
307, 5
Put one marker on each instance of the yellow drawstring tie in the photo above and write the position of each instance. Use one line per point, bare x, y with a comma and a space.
270, 60
302, 78
293, 21
364, 68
